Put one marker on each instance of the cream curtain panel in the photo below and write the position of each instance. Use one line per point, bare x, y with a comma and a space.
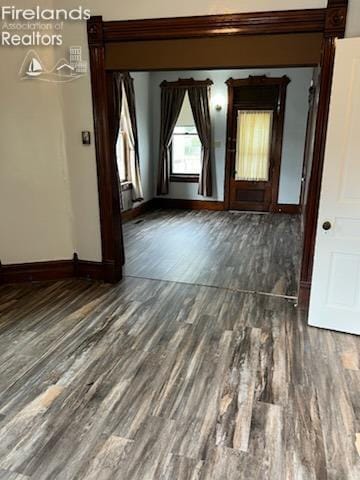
127, 141
253, 145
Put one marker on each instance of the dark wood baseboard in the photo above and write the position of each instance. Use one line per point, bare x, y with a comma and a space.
137, 211
285, 208
88, 269
304, 295
188, 204
52, 270
36, 271
216, 205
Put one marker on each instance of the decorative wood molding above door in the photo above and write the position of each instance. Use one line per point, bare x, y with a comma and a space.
260, 23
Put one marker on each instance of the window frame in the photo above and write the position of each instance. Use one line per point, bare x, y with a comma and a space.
125, 184
183, 177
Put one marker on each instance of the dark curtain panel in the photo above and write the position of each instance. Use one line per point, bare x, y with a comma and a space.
171, 103
123, 83
199, 97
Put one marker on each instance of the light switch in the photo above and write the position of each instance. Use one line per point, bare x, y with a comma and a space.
86, 137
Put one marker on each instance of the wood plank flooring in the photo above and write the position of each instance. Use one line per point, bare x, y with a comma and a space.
155, 380
236, 250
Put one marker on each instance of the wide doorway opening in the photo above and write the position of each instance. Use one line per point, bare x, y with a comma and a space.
236, 222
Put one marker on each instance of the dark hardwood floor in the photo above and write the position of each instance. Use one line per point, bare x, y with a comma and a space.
160, 380
241, 251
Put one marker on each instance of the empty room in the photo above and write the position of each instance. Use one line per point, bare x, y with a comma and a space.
243, 231
180, 240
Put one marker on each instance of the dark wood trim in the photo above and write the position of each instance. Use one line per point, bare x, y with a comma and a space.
309, 138
285, 208
257, 80
137, 211
330, 22
334, 28
258, 23
90, 270
184, 178
108, 185
188, 204
228, 146
277, 139
304, 295
36, 271
51, 270
186, 82
87, 269
335, 18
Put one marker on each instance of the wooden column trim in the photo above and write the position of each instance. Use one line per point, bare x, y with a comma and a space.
109, 202
257, 23
335, 22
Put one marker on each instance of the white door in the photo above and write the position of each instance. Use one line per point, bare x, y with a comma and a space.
335, 293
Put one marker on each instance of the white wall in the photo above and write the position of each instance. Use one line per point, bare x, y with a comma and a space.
353, 19
294, 131
115, 10
36, 200
77, 116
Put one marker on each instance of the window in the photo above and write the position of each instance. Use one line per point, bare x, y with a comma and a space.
186, 147
125, 143
186, 151
253, 145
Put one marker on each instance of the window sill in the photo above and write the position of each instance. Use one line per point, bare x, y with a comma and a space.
125, 186
184, 178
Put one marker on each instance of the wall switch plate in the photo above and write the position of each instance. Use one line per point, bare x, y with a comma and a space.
86, 137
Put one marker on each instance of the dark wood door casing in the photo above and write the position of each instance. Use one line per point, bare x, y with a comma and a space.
255, 93
109, 199
330, 21
313, 101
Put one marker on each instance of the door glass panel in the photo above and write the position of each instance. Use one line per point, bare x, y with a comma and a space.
253, 145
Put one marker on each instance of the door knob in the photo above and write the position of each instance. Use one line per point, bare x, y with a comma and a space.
326, 226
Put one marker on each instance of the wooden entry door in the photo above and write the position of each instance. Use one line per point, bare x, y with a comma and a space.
254, 141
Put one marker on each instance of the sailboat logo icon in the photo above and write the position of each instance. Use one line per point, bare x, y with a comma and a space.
34, 68
65, 70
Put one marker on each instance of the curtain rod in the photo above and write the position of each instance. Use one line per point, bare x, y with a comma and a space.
186, 82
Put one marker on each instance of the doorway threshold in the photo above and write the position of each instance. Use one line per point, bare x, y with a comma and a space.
290, 298
249, 212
